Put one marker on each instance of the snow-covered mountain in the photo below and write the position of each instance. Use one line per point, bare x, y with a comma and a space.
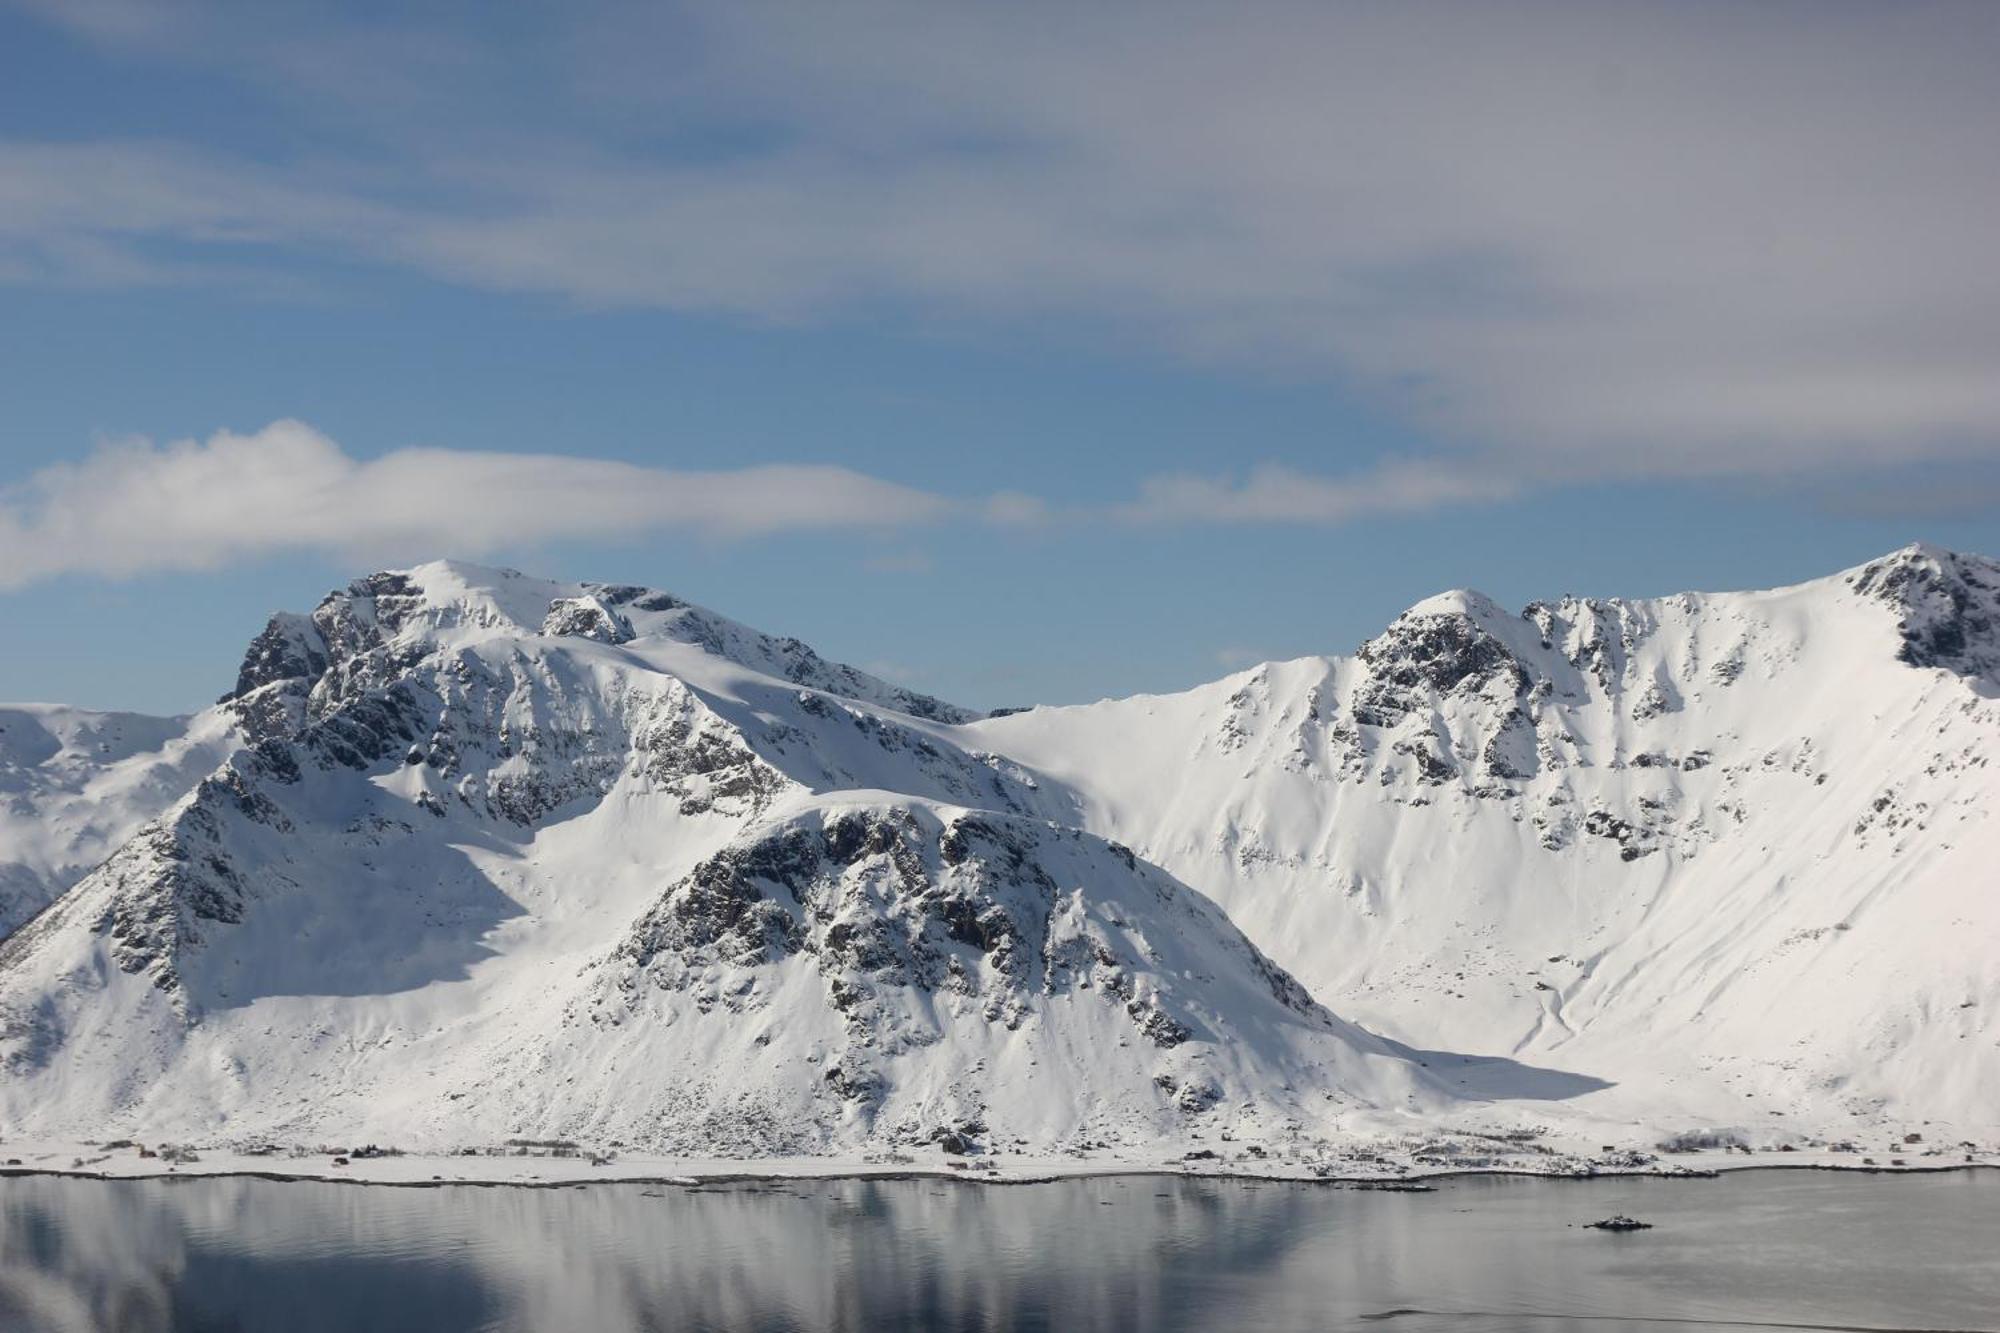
466, 855
502, 857
1732, 850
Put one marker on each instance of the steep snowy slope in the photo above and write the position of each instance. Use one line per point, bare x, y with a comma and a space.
1724, 851
74, 785
505, 857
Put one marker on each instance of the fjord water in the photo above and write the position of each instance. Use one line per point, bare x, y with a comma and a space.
1748, 1250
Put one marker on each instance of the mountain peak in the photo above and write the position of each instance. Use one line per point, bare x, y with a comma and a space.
439, 594
366, 634
1918, 558
1456, 602
1947, 606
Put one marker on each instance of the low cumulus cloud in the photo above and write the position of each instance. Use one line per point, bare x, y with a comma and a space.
1570, 240
136, 507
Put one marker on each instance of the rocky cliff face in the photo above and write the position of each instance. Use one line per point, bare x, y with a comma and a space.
1947, 608
904, 899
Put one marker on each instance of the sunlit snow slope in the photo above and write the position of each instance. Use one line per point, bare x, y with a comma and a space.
1734, 853
75, 784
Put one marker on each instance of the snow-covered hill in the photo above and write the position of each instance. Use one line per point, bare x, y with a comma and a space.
508, 858
466, 855
1723, 851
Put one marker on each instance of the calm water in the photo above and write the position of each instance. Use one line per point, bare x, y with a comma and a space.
1750, 1250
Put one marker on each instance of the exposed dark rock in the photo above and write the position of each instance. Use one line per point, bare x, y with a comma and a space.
1434, 653
1620, 1222
887, 902
289, 648
852, 1081
586, 618
1947, 607
1433, 769
1161, 1029
1633, 841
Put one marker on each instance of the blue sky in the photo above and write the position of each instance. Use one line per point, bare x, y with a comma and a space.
1020, 355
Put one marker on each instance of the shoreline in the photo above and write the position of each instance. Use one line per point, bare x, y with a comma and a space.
419, 1171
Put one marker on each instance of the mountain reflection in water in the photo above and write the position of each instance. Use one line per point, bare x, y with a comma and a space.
1791, 1249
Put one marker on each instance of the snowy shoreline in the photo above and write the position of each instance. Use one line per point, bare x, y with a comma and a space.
416, 1170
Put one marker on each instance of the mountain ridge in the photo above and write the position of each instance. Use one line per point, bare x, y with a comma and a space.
1564, 834
1619, 865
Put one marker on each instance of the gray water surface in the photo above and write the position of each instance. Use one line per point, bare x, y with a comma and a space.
1787, 1249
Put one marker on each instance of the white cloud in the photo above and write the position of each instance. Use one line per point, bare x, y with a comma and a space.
1574, 240
136, 507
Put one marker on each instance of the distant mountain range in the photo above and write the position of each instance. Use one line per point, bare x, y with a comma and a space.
467, 855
